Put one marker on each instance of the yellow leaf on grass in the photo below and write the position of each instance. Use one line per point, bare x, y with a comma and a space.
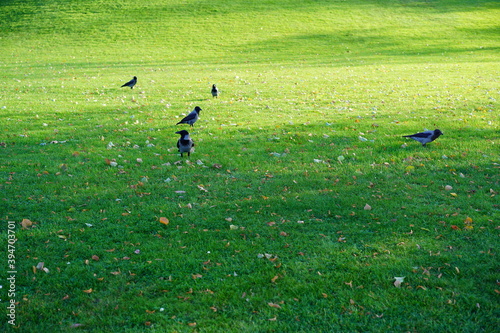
88, 291
468, 220
164, 220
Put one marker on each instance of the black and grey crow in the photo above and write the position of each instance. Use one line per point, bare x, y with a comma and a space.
131, 83
185, 143
191, 118
215, 91
425, 137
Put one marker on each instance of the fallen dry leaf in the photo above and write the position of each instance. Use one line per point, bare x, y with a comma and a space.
164, 220
274, 305
398, 281
367, 207
88, 291
25, 223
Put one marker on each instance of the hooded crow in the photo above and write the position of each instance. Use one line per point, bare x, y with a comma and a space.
131, 83
215, 91
191, 118
425, 137
185, 143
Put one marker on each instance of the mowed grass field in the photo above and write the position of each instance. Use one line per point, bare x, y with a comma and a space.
302, 202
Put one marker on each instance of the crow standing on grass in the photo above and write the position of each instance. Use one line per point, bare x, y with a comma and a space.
131, 83
185, 143
191, 118
215, 91
425, 137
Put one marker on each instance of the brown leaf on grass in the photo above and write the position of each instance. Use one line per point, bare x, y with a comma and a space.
273, 319
88, 291
25, 223
273, 280
274, 305
367, 207
94, 257
214, 309
164, 220
192, 324
196, 276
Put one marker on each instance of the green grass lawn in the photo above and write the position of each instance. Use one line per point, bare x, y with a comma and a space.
302, 202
